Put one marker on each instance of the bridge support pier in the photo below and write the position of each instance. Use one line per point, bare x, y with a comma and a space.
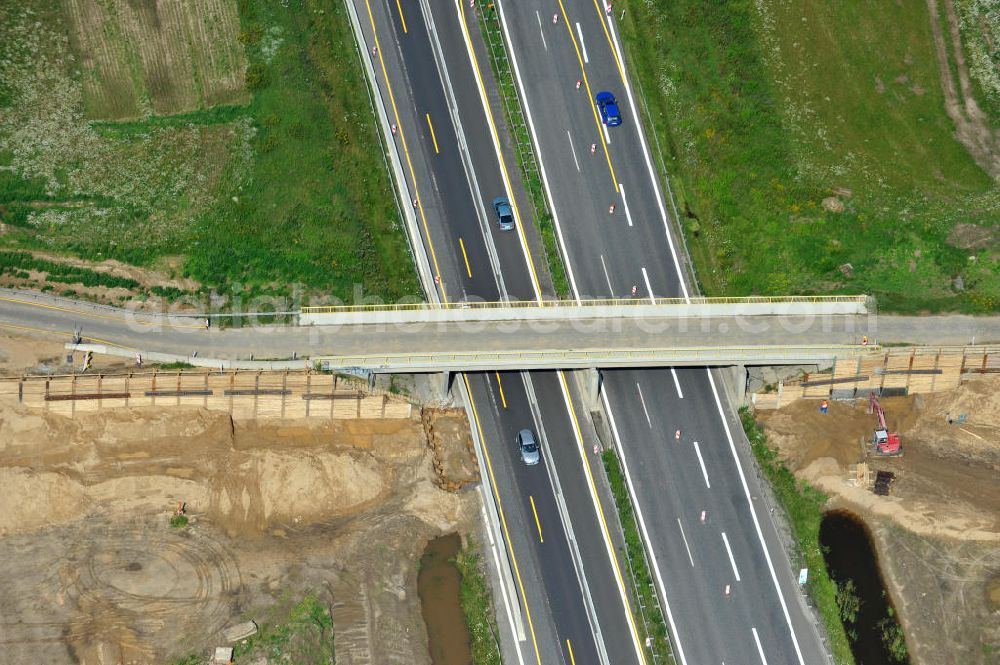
590, 381
445, 384
734, 379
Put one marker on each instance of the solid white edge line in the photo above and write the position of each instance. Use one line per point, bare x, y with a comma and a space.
621, 189
649, 164
503, 587
732, 560
753, 514
642, 526
686, 546
644, 409
619, 582
760, 649
583, 46
573, 149
607, 137
701, 461
677, 383
534, 137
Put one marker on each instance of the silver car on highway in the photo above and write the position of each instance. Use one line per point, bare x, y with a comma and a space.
528, 447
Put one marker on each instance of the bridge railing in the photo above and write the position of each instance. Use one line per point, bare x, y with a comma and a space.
596, 302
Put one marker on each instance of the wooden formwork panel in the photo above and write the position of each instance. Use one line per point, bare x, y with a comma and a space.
900, 363
820, 390
398, 409
372, 407
34, 393
951, 372
765, 401
245, 395
345, 408
10, 387
923, 383
974, 361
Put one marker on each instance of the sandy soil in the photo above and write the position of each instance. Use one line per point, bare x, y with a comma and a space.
21, 354
938, 533
93, 573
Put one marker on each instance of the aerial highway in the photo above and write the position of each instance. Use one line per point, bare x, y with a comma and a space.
726, 584
568, 594
724, 581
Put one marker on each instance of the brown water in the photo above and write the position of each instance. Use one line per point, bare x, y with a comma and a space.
438, 586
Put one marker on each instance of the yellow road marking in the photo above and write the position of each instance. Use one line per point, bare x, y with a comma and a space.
468, 269
433, 136
503, 398
503, 165
569, 646
604, 24
590, 94
401, 18
93, 315
538, 522
600, 509
503, 520
406, 151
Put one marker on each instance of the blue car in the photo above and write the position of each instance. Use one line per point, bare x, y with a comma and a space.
505, 215
608, 106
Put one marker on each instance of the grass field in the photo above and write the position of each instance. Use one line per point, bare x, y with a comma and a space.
289, 188
811, 152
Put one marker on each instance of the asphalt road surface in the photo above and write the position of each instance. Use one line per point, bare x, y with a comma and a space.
613, 221
569, 586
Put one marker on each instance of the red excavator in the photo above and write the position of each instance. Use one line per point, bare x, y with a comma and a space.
884, 442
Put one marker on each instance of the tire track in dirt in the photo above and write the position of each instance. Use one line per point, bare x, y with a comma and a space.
972, 127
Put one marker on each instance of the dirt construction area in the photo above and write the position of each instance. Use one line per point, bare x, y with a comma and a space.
94, 573
938, 531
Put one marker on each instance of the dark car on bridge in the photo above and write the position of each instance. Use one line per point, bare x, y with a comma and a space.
608, 106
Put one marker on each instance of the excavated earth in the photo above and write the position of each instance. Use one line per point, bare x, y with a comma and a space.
93, 573
938, 532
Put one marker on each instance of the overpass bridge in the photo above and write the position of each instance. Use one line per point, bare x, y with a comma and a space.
496, 336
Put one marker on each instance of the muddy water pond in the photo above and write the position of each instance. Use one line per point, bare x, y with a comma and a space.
866, 609
438, 585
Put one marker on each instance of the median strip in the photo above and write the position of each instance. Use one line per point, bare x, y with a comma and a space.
489, 23
651, 626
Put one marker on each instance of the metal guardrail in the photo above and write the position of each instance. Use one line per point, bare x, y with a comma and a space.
597, 357
596, 302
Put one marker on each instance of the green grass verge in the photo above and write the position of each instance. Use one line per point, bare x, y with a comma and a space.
300, 633
318, 208
489, 22
291, 188
760, 110
803, 506
477, 605
651, 623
